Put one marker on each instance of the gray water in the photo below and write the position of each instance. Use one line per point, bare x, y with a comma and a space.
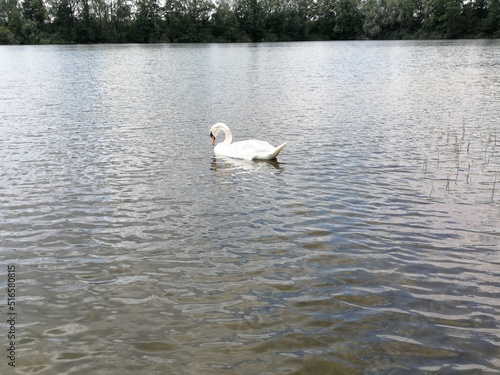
372, 246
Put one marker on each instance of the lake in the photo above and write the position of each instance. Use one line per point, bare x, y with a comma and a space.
371, 246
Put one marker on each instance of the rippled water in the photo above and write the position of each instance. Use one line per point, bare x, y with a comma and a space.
371, 247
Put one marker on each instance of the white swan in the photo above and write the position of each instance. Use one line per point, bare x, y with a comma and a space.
251, 149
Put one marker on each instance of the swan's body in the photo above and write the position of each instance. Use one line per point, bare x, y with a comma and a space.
251, 149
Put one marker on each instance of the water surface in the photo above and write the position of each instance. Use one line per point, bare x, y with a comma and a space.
370, 247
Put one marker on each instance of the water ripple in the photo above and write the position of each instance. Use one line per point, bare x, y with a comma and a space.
371, 247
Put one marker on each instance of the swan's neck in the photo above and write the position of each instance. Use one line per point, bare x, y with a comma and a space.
228, 136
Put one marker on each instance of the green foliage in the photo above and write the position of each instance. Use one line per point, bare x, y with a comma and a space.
225, 25
7, 36
491, 24
151, 21
348, 20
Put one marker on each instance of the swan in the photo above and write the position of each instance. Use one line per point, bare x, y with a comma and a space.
251, 149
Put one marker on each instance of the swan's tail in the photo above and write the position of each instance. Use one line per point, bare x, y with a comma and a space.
270, 156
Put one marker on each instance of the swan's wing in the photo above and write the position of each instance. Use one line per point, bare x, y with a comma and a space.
252, 149
269, 154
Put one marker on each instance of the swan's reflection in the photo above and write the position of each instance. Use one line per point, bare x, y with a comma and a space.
221, 163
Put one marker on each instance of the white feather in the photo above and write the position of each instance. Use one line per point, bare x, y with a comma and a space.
251, 149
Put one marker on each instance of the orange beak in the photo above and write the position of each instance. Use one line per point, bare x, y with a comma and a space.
213, 138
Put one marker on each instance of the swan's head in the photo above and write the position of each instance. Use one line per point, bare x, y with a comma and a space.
217, 128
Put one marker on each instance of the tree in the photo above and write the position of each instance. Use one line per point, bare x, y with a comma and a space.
433, 13
103, 28
491, 24
148, 21
84, 25
403, 17
11, 22
453, 23
35, 15
251, 19
474, 12
374, 18
121, 17
199, 12
34, 10
64, 21
325, 15
225, 26
7, 36
348, 23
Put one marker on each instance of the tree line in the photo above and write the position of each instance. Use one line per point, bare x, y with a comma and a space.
177, 21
